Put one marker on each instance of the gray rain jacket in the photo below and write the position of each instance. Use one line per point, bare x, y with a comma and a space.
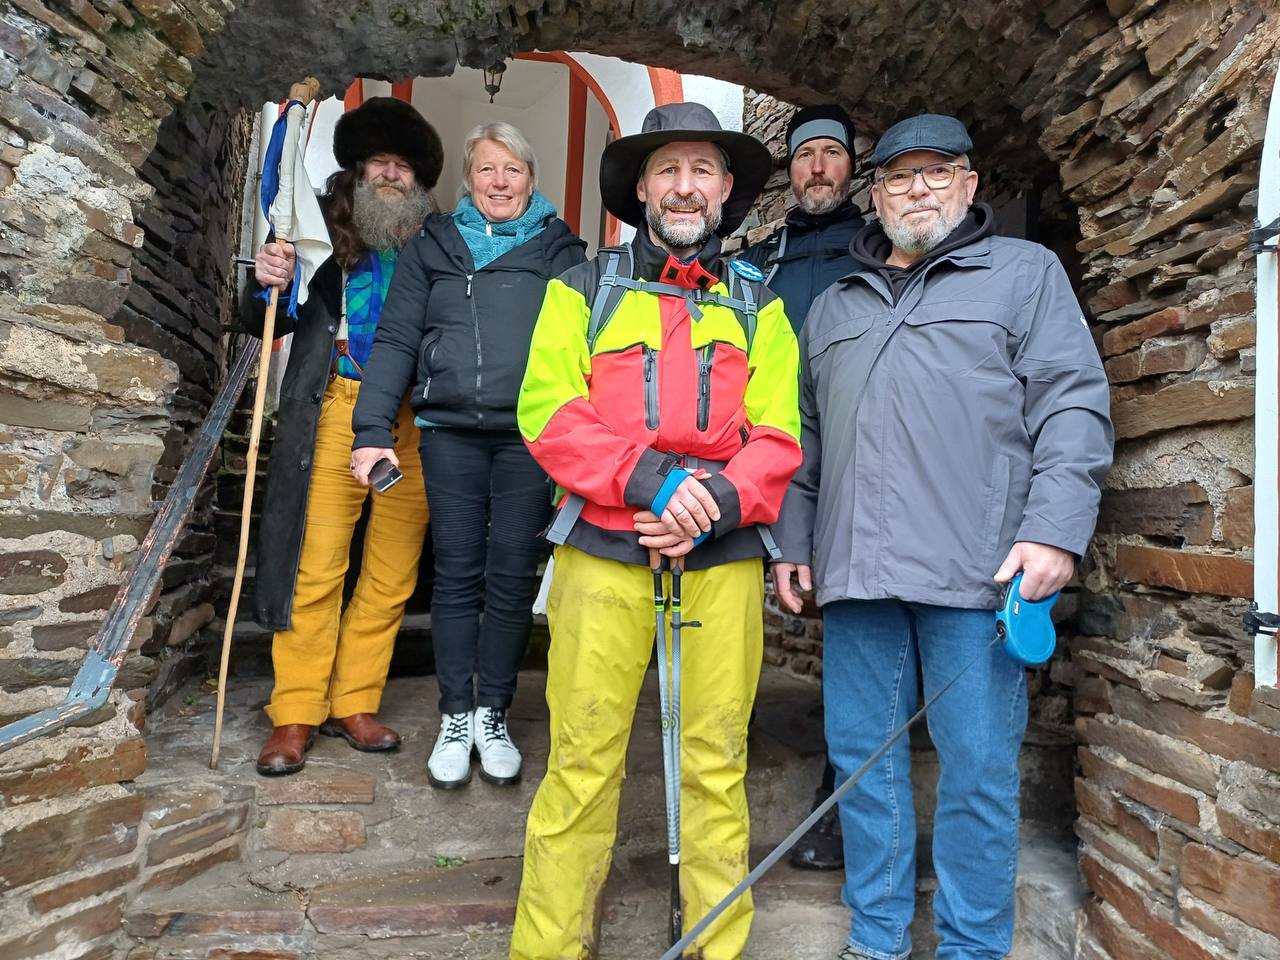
938, 431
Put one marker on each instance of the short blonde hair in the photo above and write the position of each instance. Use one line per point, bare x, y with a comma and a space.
505, 134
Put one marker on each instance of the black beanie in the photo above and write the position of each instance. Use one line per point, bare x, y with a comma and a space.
824, 120
389, 125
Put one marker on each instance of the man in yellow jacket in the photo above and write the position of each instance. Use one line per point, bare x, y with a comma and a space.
661, 397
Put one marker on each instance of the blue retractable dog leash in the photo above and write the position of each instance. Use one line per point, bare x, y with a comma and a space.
1026, 626
1025, 630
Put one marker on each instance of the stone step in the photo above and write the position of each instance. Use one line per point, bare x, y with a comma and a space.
472, 906
359, 847
413, 654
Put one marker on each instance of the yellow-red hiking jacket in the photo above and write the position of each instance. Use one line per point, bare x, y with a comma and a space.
617, 422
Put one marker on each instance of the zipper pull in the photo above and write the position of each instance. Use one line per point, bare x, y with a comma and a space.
648, 365
488, 229
469, 276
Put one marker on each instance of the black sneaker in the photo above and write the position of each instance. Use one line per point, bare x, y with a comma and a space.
848, 953
822, 848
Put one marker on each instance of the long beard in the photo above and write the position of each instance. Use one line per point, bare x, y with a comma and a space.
920, 240
682, 235
387, 221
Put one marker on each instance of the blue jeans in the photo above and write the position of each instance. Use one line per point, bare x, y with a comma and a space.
870, 653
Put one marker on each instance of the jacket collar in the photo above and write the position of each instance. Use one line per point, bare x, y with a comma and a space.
973, 253
652, 262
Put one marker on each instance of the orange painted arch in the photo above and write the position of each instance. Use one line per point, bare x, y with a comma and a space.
613, 227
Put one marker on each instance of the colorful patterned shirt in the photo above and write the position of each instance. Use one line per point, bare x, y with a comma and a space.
367, 287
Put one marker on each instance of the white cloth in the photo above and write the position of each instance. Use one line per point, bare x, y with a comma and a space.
295, 214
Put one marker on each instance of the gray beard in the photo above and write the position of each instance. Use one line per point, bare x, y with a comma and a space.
681, 236
385, 223
920, 241
815, 207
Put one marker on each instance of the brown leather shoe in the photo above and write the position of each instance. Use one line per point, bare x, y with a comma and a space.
286, 749
362, 731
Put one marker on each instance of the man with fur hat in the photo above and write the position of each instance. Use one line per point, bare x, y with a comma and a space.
661, 396
331, 665
800, 260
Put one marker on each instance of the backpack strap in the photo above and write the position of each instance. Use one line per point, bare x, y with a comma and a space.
745, 281
565, 518
771, 264
609, 290
742, 280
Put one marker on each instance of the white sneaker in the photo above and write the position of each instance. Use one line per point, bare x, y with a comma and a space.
450, 763
500, 761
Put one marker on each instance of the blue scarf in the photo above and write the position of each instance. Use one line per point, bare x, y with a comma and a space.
488, 241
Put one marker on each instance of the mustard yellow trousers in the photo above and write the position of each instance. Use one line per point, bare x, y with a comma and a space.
602, 636
333, 662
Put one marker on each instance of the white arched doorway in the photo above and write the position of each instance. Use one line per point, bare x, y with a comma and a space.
569, 105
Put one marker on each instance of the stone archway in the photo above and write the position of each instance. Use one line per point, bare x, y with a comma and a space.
121, 144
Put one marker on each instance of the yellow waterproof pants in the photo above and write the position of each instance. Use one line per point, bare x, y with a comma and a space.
331, 662
602, 636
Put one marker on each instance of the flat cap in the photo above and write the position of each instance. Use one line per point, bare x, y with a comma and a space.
928, 131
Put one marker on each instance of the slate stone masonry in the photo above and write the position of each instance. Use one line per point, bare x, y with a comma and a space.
123, 146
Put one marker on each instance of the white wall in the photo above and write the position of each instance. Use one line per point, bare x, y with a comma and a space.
534, 98
724, 99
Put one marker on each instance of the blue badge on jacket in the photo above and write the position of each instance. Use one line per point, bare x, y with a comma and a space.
746, 270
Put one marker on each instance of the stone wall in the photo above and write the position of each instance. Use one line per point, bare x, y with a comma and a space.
121, 149
1178, 797
80, 841
116, 237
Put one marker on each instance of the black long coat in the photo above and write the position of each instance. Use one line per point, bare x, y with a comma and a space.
284, 507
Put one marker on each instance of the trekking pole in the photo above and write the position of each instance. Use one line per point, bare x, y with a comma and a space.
670, 745
678, 624
1011, 631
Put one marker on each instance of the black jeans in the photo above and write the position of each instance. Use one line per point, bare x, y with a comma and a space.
489, 501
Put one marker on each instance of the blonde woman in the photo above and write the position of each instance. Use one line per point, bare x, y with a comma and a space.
457, 325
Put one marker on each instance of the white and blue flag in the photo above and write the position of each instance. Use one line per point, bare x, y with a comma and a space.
290, 206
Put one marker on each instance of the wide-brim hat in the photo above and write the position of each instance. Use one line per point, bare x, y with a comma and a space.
389, 125
620, 165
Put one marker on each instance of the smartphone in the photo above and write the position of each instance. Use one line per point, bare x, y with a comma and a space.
384, 475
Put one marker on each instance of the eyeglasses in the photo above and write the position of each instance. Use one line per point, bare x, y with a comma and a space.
937, 176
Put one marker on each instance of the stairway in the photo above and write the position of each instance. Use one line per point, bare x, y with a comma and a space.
357, 856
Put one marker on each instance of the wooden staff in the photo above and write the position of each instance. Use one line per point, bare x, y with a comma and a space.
282, 226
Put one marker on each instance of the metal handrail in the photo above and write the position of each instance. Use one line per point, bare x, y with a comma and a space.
92, 684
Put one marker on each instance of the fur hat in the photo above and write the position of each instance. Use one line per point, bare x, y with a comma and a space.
388, 125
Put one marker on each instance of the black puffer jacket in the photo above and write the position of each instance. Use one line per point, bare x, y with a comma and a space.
462, 333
